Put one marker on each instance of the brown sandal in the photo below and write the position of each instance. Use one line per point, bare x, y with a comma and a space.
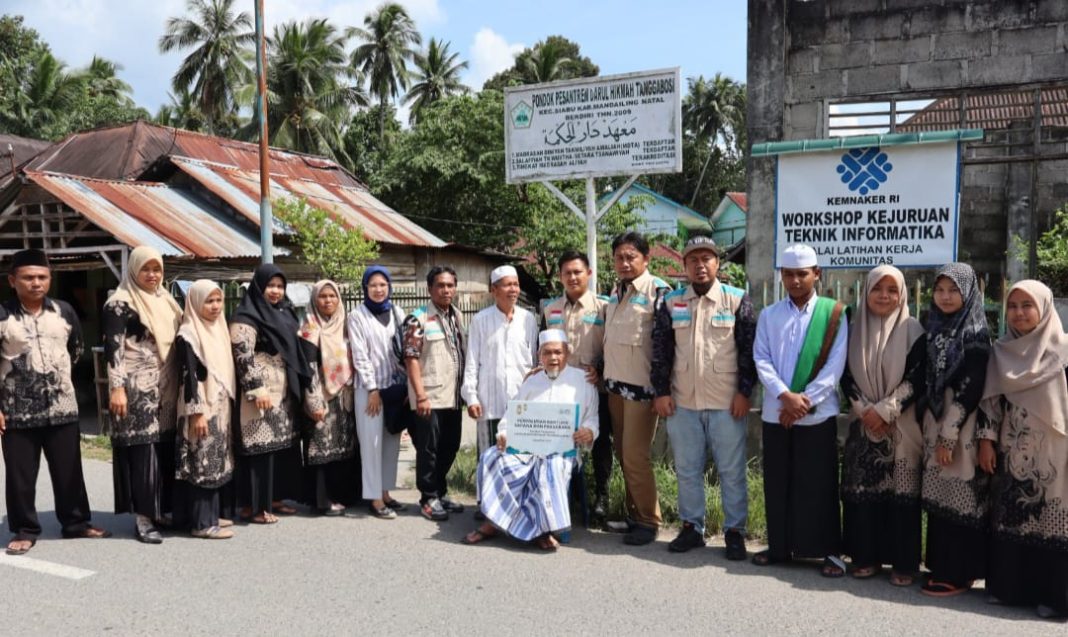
264, 518
865, 572
282, 508
479, 535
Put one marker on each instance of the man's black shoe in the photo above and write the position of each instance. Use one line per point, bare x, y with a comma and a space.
600, 507
688, 538
640, 535
735, 545
452, 506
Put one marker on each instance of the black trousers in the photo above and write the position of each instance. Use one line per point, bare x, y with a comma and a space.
196, 508
602, 453
436, 440
801, 490
956, 553
22, 460
143, 476
883, 532
329, 483
1025, 575
257, 477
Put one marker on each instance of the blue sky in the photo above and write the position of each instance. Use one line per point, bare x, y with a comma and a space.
625, 35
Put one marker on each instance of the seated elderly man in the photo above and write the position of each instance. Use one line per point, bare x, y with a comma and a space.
526, 496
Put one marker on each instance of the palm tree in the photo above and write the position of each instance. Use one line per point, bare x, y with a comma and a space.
437, 75
48, 93
182, 112
309, 97
102, 80
218, 62
547, 62
708, 111
388, 35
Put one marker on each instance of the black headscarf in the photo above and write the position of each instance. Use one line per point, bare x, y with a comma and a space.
950, 337
276, 327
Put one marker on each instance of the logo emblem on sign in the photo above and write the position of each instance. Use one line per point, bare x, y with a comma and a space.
863, 170
522, 115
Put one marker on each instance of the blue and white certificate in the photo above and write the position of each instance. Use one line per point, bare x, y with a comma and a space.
541, 428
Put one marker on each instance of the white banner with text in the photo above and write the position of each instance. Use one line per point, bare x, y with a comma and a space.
594, 127
863, 207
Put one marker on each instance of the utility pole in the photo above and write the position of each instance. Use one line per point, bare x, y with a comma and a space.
266, 216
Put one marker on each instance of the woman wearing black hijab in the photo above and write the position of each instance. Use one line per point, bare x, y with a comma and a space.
272, 372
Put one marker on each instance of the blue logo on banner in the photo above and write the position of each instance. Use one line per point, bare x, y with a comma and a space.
863, 170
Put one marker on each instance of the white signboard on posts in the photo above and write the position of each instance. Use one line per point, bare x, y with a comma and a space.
863, 207
594, 127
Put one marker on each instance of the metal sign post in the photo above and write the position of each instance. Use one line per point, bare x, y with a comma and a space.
591, 216
613, 125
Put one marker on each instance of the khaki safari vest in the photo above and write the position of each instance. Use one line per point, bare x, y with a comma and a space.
706, 359
628, 332
583, 322
439, 360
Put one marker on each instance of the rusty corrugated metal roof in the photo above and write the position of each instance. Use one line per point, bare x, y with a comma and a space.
126, 152
173, 220
357, 207
991, 111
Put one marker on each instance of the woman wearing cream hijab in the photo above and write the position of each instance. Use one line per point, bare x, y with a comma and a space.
884, 451
1026, 398
330, 430
140, 322
206, 394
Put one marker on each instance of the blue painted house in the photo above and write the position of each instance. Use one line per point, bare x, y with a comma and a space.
729, 220
664, 216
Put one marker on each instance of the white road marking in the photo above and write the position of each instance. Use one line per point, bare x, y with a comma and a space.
48, 568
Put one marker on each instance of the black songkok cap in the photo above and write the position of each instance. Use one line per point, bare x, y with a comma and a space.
32, 256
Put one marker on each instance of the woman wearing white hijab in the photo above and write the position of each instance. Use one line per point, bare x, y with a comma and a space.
330, 431
884, 451
205, 405
140, 323
1026, 397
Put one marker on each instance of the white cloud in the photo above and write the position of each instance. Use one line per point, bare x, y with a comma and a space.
425, 13
490, 54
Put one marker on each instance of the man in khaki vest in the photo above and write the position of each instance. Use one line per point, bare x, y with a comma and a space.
580, 314
703, 374
434, 359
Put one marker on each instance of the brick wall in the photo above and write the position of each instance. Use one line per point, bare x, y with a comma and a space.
804, 54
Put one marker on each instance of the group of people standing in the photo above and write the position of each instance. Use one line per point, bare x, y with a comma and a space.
208, 420
942, 419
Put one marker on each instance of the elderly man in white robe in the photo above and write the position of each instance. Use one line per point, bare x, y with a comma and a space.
526, 496
502, 345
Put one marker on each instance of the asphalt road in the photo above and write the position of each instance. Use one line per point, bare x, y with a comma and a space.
359, 575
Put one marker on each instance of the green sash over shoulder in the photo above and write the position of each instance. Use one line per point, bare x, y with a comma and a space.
815, 342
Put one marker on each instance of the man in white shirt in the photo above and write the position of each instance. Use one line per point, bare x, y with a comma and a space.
502, 344
523, 495
800, 354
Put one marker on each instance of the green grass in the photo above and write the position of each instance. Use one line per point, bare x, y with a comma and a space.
461, 479
96, 448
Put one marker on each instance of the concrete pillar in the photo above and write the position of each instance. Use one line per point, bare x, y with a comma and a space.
766, 87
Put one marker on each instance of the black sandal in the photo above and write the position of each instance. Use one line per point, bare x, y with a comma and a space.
21, 551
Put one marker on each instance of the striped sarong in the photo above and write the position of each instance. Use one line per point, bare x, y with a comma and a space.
525, 496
